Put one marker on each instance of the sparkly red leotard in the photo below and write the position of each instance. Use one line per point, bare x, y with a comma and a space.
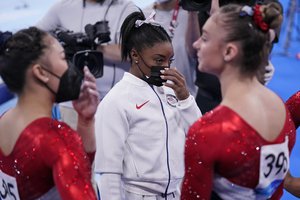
48, 153
293, 104
226, 158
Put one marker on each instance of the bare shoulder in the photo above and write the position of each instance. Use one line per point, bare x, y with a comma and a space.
10, 129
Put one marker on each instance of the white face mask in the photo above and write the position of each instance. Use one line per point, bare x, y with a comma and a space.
162, 1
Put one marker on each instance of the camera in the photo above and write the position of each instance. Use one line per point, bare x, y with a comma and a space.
204, 5
80, 48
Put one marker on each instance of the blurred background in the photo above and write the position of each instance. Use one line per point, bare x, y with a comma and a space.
17, 14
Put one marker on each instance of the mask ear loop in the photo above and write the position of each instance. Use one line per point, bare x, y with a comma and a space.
53, 74
136, 62
143, 74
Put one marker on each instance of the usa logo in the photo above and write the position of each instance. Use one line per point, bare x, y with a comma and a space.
172, 100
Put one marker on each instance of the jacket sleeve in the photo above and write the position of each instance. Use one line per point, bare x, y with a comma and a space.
111, 132
110, 186
189, 111
111, 127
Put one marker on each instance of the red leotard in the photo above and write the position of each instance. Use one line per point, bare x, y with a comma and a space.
223, 155
49, 153
293, 104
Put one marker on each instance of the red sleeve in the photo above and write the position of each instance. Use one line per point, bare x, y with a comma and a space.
293, 105
91, 156
200, 156
63, 152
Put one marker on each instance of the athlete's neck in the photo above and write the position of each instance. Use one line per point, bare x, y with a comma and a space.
234, 84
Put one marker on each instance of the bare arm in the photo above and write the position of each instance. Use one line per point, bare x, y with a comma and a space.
214, 6
112, 56
86, 107
292, 184
111, 52
86, 129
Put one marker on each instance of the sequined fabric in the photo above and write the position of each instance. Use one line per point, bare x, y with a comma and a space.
49, 153
222, 143
293, 104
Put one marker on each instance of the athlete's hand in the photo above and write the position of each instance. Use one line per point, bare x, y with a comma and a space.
176, 81
269, 72
87, 103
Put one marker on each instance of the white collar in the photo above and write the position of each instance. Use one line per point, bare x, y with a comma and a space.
134, 80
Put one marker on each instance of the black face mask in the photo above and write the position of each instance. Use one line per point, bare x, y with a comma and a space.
154, 78
100, 1
69, 85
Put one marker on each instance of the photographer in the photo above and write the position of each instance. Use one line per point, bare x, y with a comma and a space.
74, 15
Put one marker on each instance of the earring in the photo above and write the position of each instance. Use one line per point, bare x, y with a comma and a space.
136, 62
226, 58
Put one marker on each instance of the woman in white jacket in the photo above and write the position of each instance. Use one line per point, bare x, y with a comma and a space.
142, 122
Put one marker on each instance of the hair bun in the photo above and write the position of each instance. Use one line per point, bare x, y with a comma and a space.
273, 14
4, 37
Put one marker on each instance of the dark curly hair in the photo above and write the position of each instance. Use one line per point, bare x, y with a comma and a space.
18, 53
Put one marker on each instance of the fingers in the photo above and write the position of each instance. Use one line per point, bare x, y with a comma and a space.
89, 93
89, 86
174, 76
89, 83
94, 94
269, 72
86, 85
172, 71
89, 97
176, 81
88, 75
270, 67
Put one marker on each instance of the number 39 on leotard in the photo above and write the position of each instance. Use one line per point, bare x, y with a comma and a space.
8, 187
274, 164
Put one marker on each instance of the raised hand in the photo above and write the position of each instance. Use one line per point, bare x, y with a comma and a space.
176, 81
87, 103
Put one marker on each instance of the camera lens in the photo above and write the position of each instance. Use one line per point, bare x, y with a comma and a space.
92, 59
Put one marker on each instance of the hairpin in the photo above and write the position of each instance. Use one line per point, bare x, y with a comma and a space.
148, 20
256, 15
258, 19
246, 11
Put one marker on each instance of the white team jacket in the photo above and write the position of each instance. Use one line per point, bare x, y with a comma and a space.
131, 135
